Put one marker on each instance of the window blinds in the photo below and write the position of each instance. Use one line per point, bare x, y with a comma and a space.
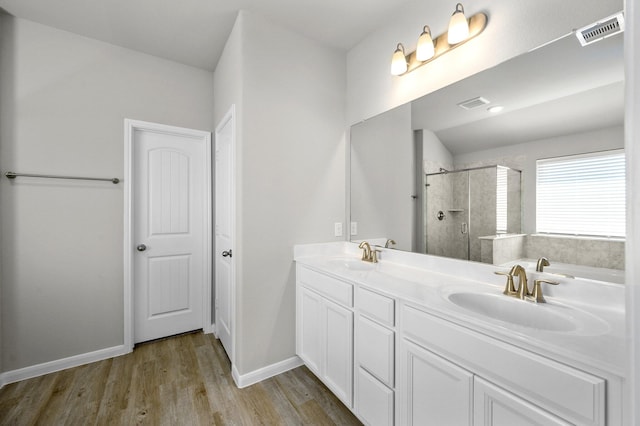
582, 194
502, 190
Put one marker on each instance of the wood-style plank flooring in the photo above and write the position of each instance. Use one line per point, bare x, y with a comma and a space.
182, 380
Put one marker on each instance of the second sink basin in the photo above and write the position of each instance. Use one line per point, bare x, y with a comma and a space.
543, 317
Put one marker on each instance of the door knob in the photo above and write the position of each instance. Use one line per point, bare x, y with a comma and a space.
227, 253
141, 247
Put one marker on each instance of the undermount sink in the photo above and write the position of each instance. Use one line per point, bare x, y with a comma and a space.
543, 316
353, 264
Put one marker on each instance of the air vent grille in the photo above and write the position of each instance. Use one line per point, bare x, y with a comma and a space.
606, 28
473, 103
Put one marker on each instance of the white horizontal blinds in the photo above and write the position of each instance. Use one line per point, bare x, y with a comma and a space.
582, 194
501, 200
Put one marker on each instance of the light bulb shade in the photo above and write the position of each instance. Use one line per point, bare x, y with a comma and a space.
458, 26
398, 61
425, 49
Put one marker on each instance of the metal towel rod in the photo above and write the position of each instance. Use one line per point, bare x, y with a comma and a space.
13, 175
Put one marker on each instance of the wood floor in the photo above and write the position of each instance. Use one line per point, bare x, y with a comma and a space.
183, 380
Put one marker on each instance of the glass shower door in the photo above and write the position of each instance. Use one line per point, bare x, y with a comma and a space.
447, 214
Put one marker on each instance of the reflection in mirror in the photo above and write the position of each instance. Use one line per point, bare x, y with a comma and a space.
430, 174
467, 209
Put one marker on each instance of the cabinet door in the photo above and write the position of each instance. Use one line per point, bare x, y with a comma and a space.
374, 400
494, 406
310, 332
432, 391
338, 350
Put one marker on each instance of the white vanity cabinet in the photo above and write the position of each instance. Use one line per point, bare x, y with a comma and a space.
324, 329
395, 357
374, 357
510, 385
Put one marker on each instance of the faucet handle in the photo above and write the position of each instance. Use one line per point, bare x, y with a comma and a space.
536, 294
510, 288
374, 255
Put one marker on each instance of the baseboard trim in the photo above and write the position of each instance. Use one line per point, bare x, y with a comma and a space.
242, 381
60, 364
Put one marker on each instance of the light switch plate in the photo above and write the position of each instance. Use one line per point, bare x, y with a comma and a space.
337, 229
354, 228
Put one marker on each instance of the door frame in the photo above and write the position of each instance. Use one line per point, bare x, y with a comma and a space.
230, 116
130, 126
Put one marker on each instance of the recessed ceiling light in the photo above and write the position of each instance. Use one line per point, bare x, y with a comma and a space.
496, 108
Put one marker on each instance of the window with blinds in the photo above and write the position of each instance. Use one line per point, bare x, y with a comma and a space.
582, 194
502, 191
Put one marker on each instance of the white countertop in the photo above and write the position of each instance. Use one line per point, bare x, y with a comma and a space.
427, 281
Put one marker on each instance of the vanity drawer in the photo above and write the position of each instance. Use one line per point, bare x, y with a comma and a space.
375, 349
374, 401
376, 306
569, 393
333, 288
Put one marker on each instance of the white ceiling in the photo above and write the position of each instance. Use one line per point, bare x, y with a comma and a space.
558, 89
194, 32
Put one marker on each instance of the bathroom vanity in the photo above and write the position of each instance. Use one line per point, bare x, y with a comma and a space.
418, 340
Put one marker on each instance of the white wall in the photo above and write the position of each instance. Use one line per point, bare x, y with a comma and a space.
2, 112
523, 157
632, 150
291, 180
384, 144
514, 27
435, 155
64, 101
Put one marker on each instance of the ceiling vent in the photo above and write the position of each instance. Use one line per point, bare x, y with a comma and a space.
473, 103
600, 30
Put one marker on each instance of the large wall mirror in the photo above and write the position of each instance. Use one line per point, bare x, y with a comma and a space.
457, 172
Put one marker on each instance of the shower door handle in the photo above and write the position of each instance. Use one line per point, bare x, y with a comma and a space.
464, 228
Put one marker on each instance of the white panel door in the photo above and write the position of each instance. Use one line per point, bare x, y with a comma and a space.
224, 221
170, 210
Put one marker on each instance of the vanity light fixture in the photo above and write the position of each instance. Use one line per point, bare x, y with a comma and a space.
458, 26
425, 49
399, 61
460, 31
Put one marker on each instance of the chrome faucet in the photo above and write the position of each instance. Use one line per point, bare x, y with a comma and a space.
542, 262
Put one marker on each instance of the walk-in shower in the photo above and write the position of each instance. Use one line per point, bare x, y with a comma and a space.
461, 206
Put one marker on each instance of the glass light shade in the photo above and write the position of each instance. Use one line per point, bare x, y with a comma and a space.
425, 49
458, 26
398, 61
